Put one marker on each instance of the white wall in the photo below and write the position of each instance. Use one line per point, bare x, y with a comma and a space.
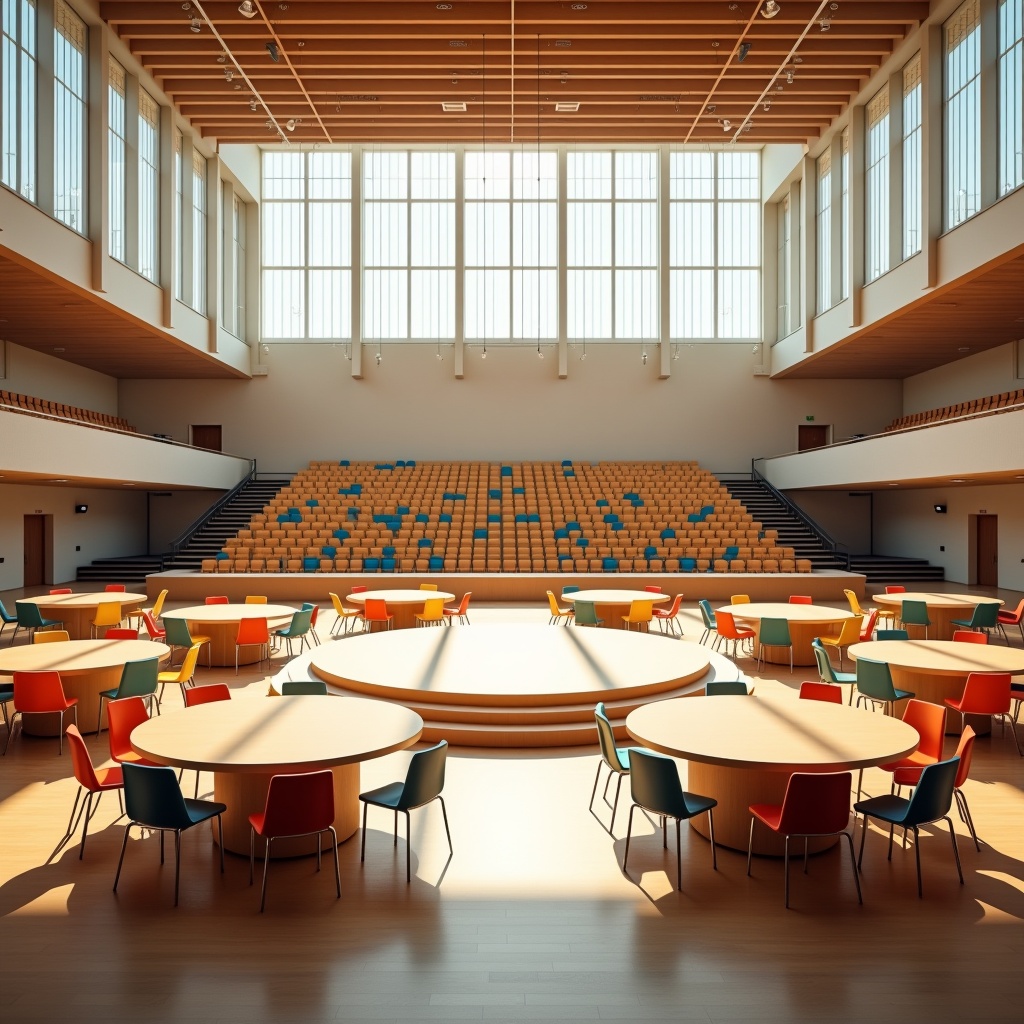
845, 518
511, 406
986, 373
31, 373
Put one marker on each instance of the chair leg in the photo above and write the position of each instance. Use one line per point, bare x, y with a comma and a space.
615, 802
629, 833
266, 864
362, 845
956, 853
597, 776
711, 830
785, 868
337, 867
863, 835
408, 847
750, 844
252, 852
965, 816
679, 858
177, 862
447, 831
853, 864
120, 861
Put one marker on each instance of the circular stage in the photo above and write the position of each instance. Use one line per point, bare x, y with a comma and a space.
514, 685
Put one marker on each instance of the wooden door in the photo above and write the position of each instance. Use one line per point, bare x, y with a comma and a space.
812, 435
206, 435
987, 551
35, 551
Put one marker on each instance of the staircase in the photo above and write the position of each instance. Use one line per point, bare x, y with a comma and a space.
883, 569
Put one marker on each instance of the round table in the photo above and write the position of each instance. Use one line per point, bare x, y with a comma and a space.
611, 605
86, 667
806, 621
404, 605
942, 609
245, 742
220, 623
936, 669
742, 750
77, 611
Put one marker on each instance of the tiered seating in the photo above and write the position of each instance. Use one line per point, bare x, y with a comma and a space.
28, 403
976, 407
518, 517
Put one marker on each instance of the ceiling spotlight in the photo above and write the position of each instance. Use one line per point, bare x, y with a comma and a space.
789, 78
826, 24
726, 125
222, 59
195, 25
271, 48
742, 55
770, 9
247, 9
767, 104
252, 104
228, 74
291, 123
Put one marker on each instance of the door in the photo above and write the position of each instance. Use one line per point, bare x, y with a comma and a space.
986, 551
34, 574
206, 435
812, 435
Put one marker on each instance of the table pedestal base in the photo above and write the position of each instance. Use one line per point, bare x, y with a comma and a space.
245, 793
736, 789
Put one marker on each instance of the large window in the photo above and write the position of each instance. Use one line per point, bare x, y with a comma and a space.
18, 100
179, 214
117, 179
306, 240
876, 187
408, 245
823, 215
198, 302
912, 158
844, 217
962, 114
715, 245
149, 185
69, 69
233, 288
1011, 97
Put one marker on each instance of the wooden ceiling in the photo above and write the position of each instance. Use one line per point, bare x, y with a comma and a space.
641, 70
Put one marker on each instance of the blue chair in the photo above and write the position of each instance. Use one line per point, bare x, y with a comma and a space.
891, 634
7, 619
506, 470
610, 564
915, 613
984, 617
422, 517
424, 542
388, 564
310, 564
616, 759
388, 552
341, 534
566, 462
875, 686
582, 542
444, 517
655, 787
667, 534
138, 679
494, 494
153, 800
707, 614
435, 563
726, 688
930, 802
31, 618
602, 502
730, 553
494, 517
826, 673
687, 564
570, 588
371, 564
297, 629
329, 551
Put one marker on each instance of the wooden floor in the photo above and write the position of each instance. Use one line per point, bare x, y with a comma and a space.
531, 920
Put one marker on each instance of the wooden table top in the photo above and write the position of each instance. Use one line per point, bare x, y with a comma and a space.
776, 734
401, 596
78, 655
941, 656
216, 613
277, 734
615, 596
787, 611
935, 600
91, 599
516, 662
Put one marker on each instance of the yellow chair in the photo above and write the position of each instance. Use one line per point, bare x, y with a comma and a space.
557, 614
50, 636
156, 611
183, 676
855, 604
740, 599
640, 614
428, 586
433, 613
107, 614
346, 616
848, 634
255, 599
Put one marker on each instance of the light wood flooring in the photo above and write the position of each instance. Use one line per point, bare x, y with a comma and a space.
531, 920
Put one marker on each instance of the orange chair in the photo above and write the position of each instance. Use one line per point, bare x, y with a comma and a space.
115, 588
92, 782
653, 590
297, 805
968, 636
868, 629
814, 805
217, 599
670, 616
208, 694
930, 722
801, 599
1014, 618
40, 693
815, 690
61, 590
461, 612
376, 610
121, 633
725, 626
985, 693
122, 717
253, 633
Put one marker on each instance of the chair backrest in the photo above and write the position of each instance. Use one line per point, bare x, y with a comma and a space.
255, 599
812, 689
122, 717
177, 632
425, 778
869, 627
108, 614
115, 588
61, 590
301, 621
358, 590
965, 751
854, 603
934, 793
825, 669
299, 803
252, 631
570, 588
816, 803
968, 636
895, 590
6, 615
641, 611
707, 613
51, 636
874, 679
891, 634
38, 692
464, 603
654, 781
217, 599
986, 693
930, 722
188, 663
339, 608
915, 613
154, 631
309, 687
29, 615
586, 612
985, 615
428, 586
158, 604
81, 762
673, 609
121, 633
375, 608
849, 632
653, 590
138, 678
775, 633
153, 797
739, 599
1015, 615
801, 599
434, 608
606, 738
208, 694
726, 688
553, 604
725, 624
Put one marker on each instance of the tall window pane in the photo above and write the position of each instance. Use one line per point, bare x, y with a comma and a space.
912, 157
179, 213
198, 232
823, 217
18, 98
1011, 92
117, 172
962, 114
69, 117
876, 187
783, 258
844, 217
149, 185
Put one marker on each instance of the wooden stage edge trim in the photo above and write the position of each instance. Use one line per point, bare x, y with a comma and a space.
512, 587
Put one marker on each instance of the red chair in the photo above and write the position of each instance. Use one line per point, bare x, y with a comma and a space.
868, 630
253, 633
115, 588
376, 610
40, 693
1014, 618
121, 633
652, 590
985, 693
61, 590
155, 632
814, 805
725, 626
895, 590
930, 722
461, 612
92, 782
814, 690
208, 694
122, 717
314, 612
801, 599
968, 636
217, 599
297, 805
965, 751
892, 614
670, 615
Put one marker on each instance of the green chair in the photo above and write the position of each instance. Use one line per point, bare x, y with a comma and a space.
874, 685
423, 783
891, 634
774, 633
178, 635
915, 613
138, 679
707, 614
7, 619
31, 618
615, 758
985, 617
310, 687
654, 784
297, 629
826, 673
726, 688
153, 800
586, 614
